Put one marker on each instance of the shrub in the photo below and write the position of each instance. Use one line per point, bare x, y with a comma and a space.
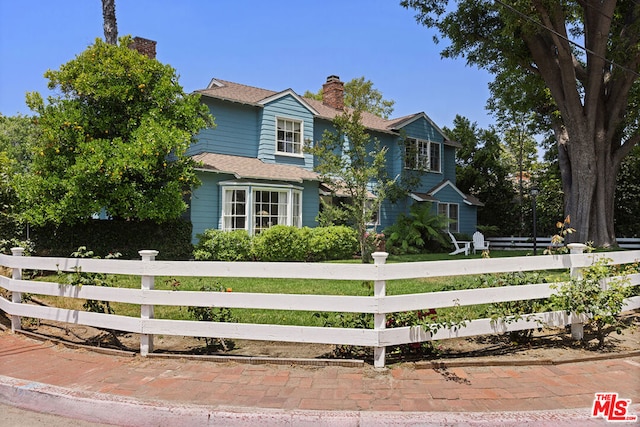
334, 242
417, 231
172, 238
281, 243
218, 245
599, 294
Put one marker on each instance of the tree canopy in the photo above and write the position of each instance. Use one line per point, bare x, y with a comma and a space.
360, 94
18, 136
580, 61
113, 139
483, 170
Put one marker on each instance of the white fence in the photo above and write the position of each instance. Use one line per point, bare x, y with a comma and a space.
526, 243
380, 304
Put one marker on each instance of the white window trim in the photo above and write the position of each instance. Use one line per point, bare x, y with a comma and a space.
428, 142
455, 225
250, 190
431, 143
284, 153
248, 207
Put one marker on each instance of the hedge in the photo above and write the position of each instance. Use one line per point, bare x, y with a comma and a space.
172, 239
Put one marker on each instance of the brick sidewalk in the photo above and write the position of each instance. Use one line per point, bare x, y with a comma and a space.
567, 389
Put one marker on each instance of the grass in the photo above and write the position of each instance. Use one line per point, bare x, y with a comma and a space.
291, 286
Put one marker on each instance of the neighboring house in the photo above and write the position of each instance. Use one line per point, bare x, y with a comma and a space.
255, 172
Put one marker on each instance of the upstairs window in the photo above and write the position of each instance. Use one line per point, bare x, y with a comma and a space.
434, 157
422, 155
289, 137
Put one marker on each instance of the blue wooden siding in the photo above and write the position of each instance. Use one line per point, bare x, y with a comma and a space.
236, 131
310, 203
468, 219
449, 163
286, 107
389, 212
206, 203
422, 129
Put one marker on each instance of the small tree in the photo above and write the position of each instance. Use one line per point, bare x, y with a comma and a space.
114, 139
360, 94
354, 164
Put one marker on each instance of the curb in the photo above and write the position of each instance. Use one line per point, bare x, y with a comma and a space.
118, 410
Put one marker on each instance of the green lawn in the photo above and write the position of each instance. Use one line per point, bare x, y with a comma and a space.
292, 286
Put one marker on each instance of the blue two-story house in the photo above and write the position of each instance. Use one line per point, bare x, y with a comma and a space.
255, 172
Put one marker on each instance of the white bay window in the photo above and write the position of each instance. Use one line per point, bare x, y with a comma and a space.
255, 207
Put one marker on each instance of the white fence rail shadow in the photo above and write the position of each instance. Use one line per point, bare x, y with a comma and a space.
379, 305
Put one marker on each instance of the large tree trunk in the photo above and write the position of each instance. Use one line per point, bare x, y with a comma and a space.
592, 98
588, 171
109, 21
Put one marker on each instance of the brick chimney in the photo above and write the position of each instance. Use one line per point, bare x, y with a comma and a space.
333, 93
144, 46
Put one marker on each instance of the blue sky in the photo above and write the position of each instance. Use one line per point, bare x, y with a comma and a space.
275, 45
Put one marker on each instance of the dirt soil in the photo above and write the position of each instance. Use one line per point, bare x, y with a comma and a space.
544, 345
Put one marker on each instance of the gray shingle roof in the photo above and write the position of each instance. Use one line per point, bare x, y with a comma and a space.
252, 168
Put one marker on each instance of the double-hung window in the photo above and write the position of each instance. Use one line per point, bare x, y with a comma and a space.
434, 157
450, 211
271, 208
234, 209
422, 155
289, 136
256, 208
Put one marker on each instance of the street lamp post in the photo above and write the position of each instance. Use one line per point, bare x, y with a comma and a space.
534, 194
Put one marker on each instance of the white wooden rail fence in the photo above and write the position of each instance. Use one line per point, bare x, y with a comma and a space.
380, 304
526, 243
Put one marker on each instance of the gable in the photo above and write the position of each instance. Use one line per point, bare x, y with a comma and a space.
447, 191
422, 127
285, 94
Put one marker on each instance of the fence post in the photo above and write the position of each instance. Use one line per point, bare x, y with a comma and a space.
146, 310
577, 328
16, 297
379, 319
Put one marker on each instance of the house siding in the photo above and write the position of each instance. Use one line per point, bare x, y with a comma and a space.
422, 129
248, 128
286, 107
310, 204
206, 203
468, 219
449, 163
236, 131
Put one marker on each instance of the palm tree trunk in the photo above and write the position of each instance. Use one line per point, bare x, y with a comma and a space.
109, 21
